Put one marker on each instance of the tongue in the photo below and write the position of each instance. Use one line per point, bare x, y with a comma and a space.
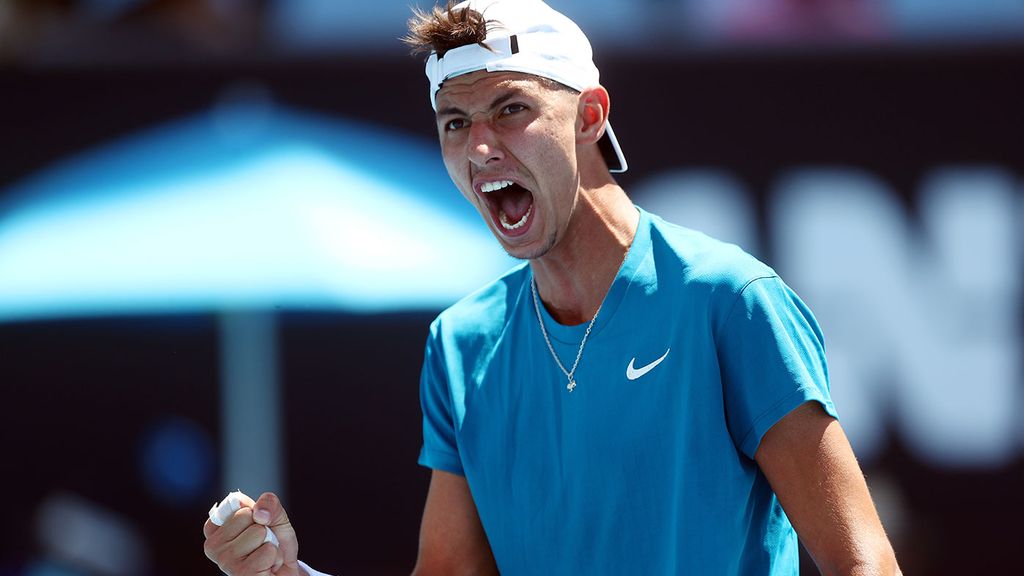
515, 202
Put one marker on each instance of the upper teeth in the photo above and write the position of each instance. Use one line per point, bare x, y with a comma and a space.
492, 186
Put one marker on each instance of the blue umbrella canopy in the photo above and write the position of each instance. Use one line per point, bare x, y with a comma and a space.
242, 211
250, 206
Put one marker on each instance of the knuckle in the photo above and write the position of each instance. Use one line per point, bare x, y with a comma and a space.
255, 533
226, 561
210, 551
242, 513
261, 560
267, 552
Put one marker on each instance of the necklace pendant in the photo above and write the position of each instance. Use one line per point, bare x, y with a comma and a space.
571, 386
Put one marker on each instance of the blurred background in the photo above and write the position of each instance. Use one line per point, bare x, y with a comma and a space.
221, 212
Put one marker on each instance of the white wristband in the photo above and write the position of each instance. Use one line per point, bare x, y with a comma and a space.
310, 571
220, 513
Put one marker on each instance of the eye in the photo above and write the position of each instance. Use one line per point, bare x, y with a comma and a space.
454, 124
512, 109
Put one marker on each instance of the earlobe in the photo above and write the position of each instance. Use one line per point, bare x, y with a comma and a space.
593, 114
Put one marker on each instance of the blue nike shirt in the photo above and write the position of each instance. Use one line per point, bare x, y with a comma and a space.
647, 467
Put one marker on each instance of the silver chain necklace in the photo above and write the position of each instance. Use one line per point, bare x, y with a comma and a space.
579, 353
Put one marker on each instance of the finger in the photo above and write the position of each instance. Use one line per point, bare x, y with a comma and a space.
235, 500
221, 511
269, 511
251, 541
247, 545
238, 523
219, 539
289, 545
278, 560
236, 539
261, 561
212, 524
274, 515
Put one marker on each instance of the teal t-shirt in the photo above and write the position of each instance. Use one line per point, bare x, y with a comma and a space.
647, 466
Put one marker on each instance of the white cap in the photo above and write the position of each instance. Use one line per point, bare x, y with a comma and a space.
527, 36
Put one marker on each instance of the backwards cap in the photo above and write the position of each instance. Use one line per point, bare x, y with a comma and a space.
527, 36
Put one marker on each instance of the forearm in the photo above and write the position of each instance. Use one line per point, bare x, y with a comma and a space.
874, 569
882, 562
877, 568
810, 465
861, 551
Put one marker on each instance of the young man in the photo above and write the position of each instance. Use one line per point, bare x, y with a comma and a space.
636, 398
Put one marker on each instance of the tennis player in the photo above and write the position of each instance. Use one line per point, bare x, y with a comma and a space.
635, 397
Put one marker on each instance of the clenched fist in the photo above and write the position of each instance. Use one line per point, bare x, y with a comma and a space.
239, 547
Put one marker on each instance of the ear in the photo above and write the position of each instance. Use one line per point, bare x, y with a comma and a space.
592, 115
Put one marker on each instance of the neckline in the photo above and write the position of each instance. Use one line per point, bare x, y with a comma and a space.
571, 335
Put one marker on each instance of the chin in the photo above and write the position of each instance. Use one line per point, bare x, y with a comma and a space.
530, 251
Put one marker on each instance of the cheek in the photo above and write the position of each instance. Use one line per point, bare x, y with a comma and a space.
456, 168
551, 149
458, 176
555, 135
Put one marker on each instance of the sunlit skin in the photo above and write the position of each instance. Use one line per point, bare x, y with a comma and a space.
510, 126
496, 126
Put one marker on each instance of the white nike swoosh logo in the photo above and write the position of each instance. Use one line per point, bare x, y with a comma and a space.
634, 373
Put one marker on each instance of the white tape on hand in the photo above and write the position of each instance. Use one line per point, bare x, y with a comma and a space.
272, 538
220, 513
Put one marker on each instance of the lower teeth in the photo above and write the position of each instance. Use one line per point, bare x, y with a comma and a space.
510, 226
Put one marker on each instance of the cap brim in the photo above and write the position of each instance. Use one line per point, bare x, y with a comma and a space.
611, 151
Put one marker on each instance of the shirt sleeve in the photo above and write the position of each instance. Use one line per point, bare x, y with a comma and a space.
772, 358
440, 450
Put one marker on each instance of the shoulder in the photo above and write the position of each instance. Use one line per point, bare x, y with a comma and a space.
483, 312
704, 261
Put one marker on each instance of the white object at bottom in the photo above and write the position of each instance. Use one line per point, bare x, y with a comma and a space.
310, 571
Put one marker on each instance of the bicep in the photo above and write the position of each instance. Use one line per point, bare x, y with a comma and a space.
452, 539
811, 467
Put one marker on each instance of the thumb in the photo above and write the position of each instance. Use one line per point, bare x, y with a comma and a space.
269, 511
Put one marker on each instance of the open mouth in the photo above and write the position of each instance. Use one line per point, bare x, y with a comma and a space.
510, 204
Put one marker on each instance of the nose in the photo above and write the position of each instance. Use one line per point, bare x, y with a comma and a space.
483, 143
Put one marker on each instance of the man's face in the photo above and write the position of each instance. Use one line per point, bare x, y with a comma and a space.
509, 145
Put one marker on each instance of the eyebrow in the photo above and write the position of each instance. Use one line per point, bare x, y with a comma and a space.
501, 99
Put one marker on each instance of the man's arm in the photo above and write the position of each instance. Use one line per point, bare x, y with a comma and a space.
452, 540
810, 465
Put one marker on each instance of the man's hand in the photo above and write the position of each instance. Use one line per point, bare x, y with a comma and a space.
238, 547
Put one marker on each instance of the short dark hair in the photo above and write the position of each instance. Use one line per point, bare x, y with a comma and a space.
442, 29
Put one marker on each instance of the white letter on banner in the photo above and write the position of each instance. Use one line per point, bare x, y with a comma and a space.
919, 329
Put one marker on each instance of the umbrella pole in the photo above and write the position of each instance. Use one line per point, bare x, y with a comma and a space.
251, 430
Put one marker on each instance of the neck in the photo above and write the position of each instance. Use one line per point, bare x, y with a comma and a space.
574, 276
